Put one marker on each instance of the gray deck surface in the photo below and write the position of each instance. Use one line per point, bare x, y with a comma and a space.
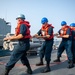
56, 68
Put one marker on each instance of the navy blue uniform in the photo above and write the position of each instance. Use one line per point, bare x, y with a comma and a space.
46, 48
19, 51
66, 43
73, 45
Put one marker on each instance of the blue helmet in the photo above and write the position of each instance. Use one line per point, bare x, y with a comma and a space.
44, 20
21, 16
72, 24
63, 23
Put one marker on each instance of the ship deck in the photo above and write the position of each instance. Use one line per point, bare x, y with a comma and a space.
56, 68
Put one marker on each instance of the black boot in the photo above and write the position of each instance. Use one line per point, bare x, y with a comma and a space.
69, 62
57, 60
71, 65
29, 71
6, 72
40, 63
74, 61
47, 68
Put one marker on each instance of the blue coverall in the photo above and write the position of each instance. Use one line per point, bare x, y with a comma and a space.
73, 45
66, 44
19, 52
46, 47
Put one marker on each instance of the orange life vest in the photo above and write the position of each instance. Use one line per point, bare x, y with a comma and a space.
44, 31
17, 31
63, 31
73, 29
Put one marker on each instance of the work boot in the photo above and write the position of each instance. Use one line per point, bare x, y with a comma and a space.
74, 61
68, 61
39, 64
57, 60
6, 72
46, 69
71, 65
29, 71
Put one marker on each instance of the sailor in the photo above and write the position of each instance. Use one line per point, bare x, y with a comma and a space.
72, 25
22, 34
66, 43
46, 32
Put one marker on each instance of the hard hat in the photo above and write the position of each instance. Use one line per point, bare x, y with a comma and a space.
21, 16
72, 24
44, 20
63, 23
